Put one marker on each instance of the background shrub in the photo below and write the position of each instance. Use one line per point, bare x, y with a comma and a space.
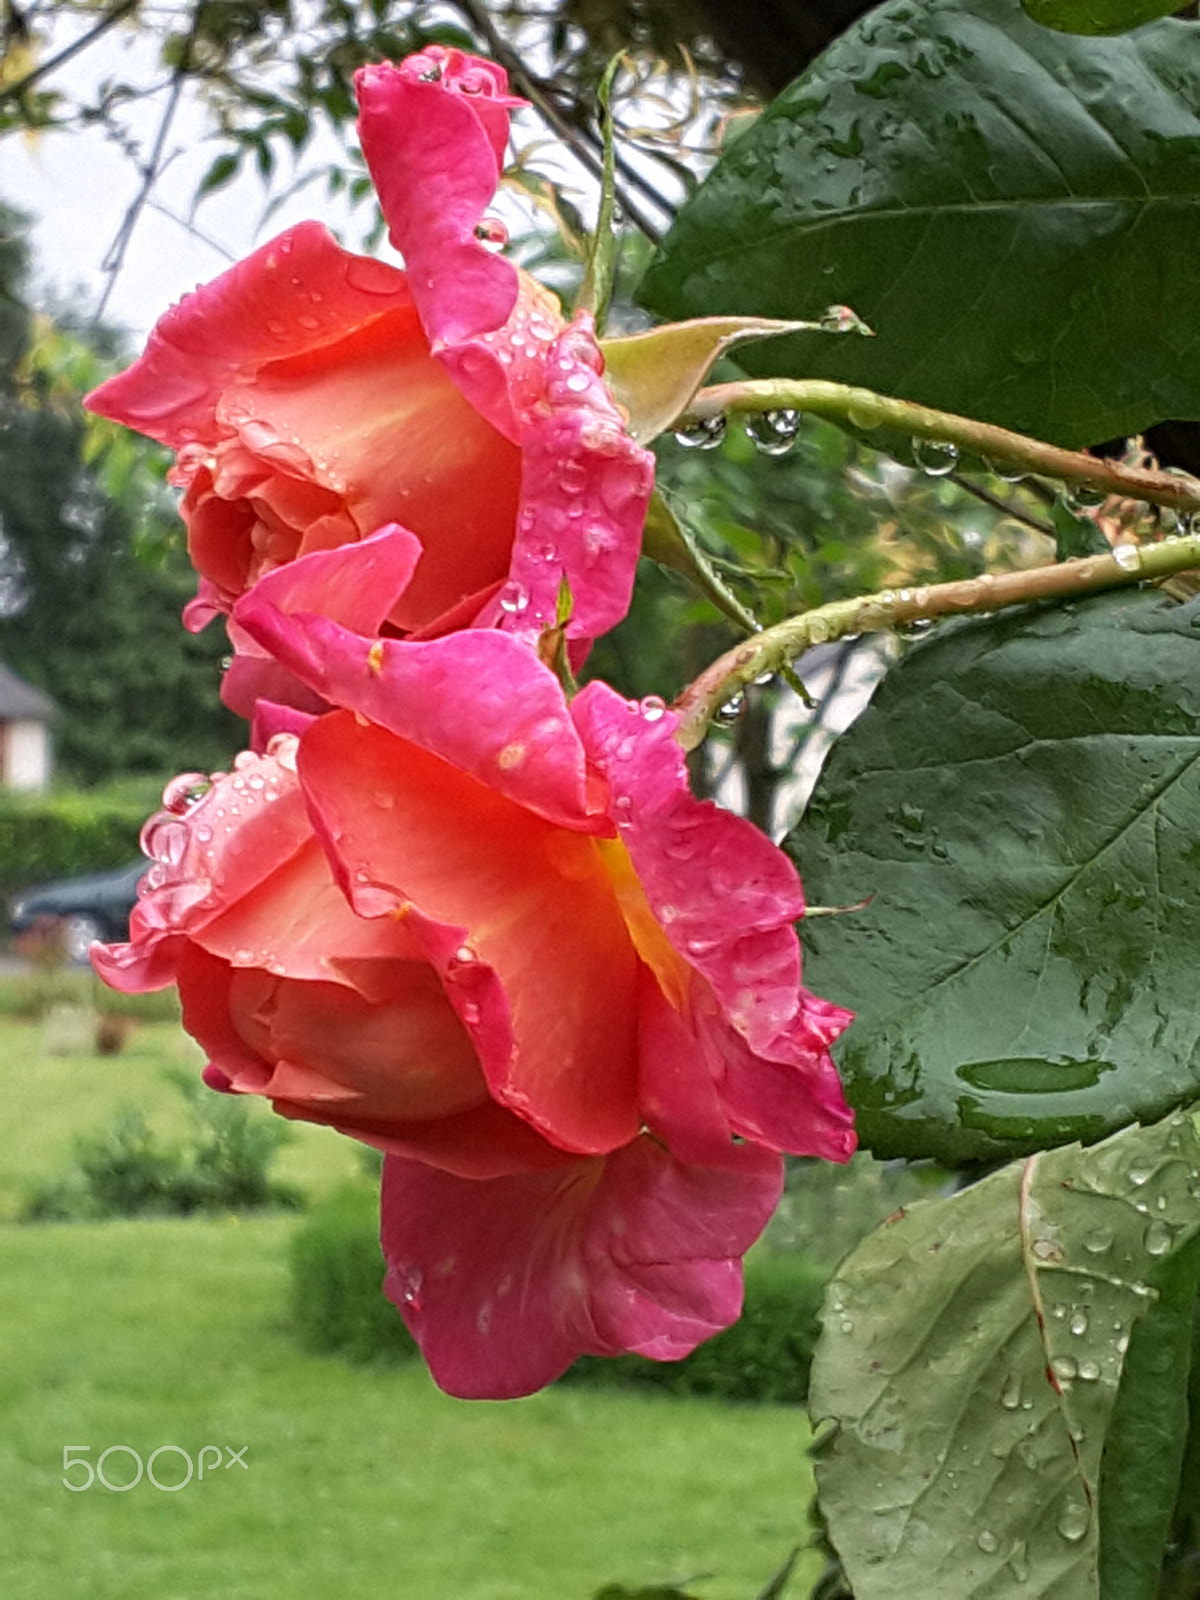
127, 1170
337, 1281
66, 832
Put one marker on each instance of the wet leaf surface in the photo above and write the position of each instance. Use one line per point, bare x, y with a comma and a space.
970, 1363
1022, 800
1012, 210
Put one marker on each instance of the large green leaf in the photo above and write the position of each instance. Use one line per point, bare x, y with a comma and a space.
1016, 212
1022, 799
970, 1361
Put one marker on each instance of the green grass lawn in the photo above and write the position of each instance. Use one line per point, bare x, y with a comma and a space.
359, 1481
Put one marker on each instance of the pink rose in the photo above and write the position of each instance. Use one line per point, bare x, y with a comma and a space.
313, 396
492, 933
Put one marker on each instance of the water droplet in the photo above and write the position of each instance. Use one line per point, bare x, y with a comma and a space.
514, 598
410, 1287
165, 839
1128, 557
1139, 1175
843, 319
1089, 1371
846, 1325
987, 1541
1017, 1561
1010, 1395
186, 791
492, 231
653, 708
704, 434
1073, 1520
276, 328
1159, 1237
573, 477
728, 714
774, 432
1064, 1368
1079, 1321
1098, 1241
1004, 470
935, 457
579, 382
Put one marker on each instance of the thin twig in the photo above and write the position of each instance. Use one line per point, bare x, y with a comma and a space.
14, 91
115, 258
999, 503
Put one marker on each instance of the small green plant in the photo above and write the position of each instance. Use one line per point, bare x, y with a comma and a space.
128, 1170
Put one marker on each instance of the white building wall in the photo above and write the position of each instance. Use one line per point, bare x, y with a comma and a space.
26, 755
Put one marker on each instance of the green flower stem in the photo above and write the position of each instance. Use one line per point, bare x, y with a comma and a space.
864, 410
771, 650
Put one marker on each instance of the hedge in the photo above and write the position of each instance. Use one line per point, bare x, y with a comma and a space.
339, 1309
338, 1304
64, 833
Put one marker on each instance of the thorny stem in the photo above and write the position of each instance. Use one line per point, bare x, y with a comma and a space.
864, 409
769, 651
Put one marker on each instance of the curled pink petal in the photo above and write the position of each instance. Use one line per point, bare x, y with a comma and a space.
726, 900
291, 296
535, 899
410, 117
505, 1283
518, 736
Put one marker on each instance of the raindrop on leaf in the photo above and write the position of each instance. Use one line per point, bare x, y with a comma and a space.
773, 432
935, 457
704, 434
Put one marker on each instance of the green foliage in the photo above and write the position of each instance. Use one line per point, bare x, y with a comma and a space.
65, 832
970, 1366
30, 994
1144, 1451
337, 1266
1022, 800
93, 573
128, 1170
1011, 209
1097, 16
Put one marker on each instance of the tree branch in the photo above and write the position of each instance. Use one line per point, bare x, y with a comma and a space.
14, 91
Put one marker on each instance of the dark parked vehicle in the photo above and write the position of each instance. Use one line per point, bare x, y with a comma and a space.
93, 906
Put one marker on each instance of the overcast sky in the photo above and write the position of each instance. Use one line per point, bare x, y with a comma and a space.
78, 184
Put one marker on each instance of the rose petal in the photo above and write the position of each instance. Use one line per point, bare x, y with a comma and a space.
505, 1283
726, 898
298, 292
535, 899
518, 737
408, 123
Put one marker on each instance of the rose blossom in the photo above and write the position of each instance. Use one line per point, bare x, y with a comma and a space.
313, 396
491, 932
